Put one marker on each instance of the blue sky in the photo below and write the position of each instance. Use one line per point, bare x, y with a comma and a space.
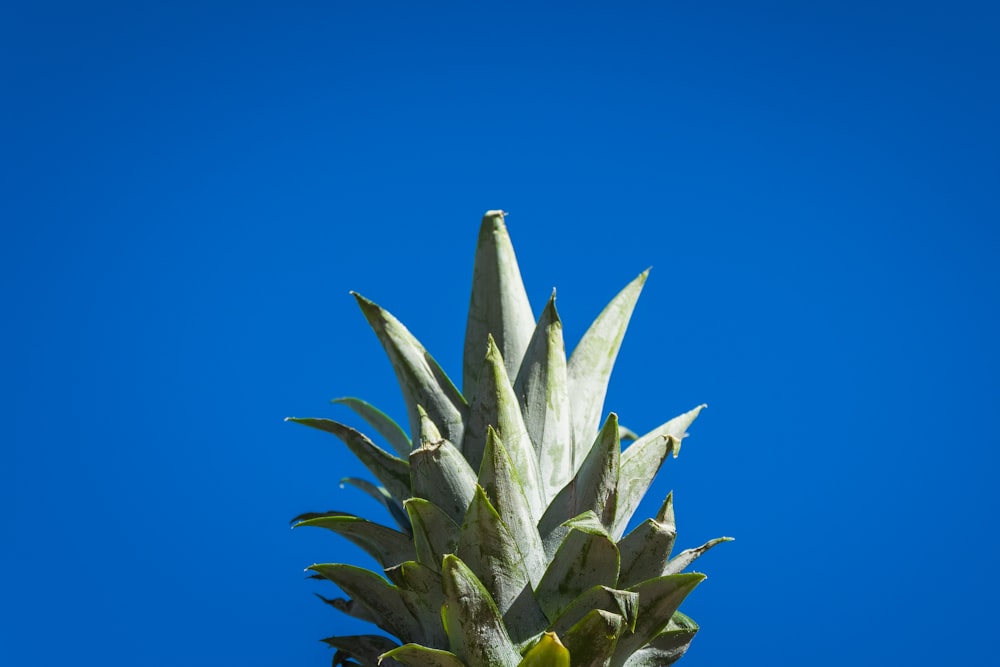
191, 189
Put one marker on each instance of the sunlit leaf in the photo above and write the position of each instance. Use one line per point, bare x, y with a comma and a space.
389, 547
392, 472
590, 365
420, 377
542, 389
384, 425
498, 305
476, 633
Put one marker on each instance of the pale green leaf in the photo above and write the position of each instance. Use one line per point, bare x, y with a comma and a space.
440, 474
593, 487
415, 655
366, 649
420, 377
425, 603
587, 557
496, 405
679, 562
642, 460
383, 600
382, 495
476, 632
667, 647
658, 600
591, 642
613, 600
389, 547
490, 550
542, 389
349, 607
434, 533
547, 652
381, 422
392, 472
498, 305
589, 367
646, 550
499, 478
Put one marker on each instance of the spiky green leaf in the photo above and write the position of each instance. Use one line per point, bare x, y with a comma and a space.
382, 496
384, 601
415, 655
392, 472
366, 649
542, 389
547, 652
498, 476
658, 600
389, 547
496, 405
498, 305
349, 607
590, 365
679, 562
434, 533
646, 550
642, 460
420, 377
593, 488
489, 549
425, 603
383, 424
476, 632
587, 557
613, 600
667, 647
441, 475
592, 641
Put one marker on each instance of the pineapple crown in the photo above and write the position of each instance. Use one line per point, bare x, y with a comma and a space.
512, 499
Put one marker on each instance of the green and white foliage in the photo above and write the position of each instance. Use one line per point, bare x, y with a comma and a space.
511, 498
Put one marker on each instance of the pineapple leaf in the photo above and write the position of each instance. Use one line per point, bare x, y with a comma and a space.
392, 472
542, 389
476, 633
587, 557
496, 405
389, 547
490, 550
441, 475
349, 607
420, 377
382, 495
592, 641
415, 655
548, 652
384, 601
366, 649
594, 487
679, 562
658, 600
642, 460
612, 600
434, 534
499, 479
383, 424
498, 305
425, 603
668, 646
589, 367
646, 550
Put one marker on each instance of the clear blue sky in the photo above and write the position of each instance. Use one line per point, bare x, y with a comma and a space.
189, 190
